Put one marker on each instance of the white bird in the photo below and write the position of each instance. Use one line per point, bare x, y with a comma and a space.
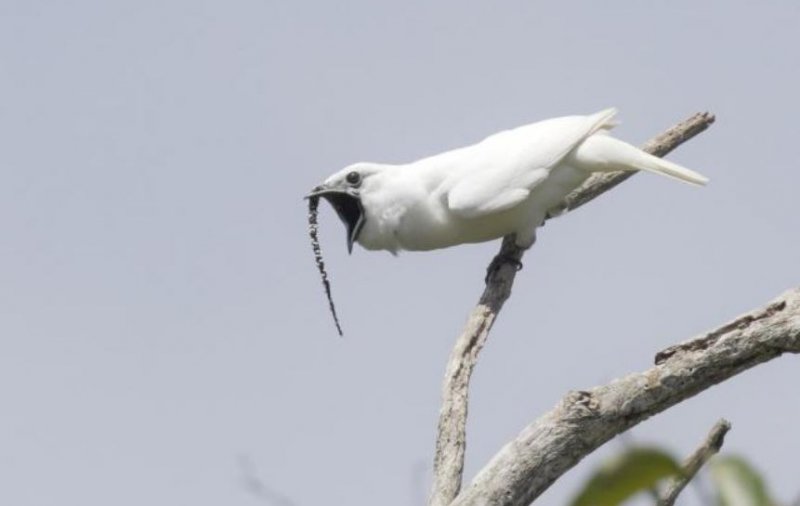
508, 183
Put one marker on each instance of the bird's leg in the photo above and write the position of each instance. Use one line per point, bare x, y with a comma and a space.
510, 253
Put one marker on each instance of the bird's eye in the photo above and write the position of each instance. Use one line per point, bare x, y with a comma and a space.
353, 178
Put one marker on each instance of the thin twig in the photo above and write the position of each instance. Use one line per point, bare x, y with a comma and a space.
711, 445
451, 438
256, 486
584, 420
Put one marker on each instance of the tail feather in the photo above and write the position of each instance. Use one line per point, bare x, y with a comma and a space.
673, 170
602, 153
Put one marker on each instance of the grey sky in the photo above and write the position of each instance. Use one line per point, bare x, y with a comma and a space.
160, 313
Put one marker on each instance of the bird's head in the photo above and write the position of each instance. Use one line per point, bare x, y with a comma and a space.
343, 190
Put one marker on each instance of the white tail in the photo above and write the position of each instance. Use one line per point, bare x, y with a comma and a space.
602, 153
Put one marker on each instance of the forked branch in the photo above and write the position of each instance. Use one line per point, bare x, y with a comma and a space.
584, 420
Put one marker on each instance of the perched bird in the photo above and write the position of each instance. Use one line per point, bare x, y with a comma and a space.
507, 183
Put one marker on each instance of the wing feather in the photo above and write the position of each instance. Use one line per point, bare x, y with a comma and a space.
499, 172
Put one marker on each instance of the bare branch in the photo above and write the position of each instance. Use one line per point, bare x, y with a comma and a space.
584, 420
695, 461
451, 439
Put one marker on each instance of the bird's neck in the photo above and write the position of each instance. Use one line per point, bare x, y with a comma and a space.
388, 197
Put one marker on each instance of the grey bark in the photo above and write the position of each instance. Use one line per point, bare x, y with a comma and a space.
584, 420
710, 447
451, 437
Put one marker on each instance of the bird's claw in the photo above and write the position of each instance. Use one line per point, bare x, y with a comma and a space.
498, 261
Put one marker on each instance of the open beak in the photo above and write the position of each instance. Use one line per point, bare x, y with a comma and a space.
347, 204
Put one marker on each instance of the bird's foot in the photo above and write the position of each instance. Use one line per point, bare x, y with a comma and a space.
498, 261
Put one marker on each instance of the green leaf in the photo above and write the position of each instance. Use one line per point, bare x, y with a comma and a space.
738, 483
636, 470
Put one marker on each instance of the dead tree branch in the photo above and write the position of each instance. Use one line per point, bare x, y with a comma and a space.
584, 420
695, 461
451, 438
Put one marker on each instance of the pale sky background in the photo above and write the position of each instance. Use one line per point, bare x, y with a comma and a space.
161, 317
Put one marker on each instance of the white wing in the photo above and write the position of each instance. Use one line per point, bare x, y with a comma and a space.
500, 171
